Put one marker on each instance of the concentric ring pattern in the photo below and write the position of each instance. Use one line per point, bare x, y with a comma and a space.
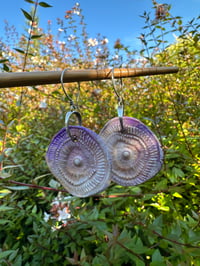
135, 151
83, 166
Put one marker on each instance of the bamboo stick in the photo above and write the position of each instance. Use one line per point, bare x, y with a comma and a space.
18, 79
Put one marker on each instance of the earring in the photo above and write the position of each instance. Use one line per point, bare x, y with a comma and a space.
78, 157
135, 151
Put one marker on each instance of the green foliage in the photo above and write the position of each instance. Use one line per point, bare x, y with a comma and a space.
155, 223
27, 15
44, 4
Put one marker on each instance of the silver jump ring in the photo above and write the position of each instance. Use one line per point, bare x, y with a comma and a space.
67, 118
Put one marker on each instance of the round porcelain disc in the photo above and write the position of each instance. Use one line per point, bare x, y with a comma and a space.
135, 151
82, 164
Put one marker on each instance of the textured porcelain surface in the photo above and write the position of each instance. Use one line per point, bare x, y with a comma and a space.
83, 166
135, 151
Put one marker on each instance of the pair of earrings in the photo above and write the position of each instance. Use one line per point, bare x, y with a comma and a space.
125, 151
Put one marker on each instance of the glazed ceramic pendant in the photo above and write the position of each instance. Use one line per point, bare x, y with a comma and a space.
79, 159
135, 151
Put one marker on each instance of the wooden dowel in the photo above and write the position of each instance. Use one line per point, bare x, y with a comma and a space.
19, 79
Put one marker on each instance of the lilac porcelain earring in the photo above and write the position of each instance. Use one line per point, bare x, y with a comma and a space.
135, 151
78, 157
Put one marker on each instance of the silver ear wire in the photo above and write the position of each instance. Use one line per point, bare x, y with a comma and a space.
73, 105
73, 108
120, 106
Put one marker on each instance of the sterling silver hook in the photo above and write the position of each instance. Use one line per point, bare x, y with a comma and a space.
114, 84
71, 101
73, 108
119, 97
120, 106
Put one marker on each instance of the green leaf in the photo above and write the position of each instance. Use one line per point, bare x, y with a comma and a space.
195, 215
29, 1
140, 249
100, 260
136, 190
44, 4
83, 255
1, 158
89, 238
193, 252
36, 36
11, 123
18, 260
101, 226
161, 185
157, 224
27, 15
179, 22
19, 50
177, 172
71, 260
160, 207
12, 166
138, 262
4, 192
148, 196
54, 184
177, 195
34, 210
4, 221
3, 60
13, 255
5, 67
17, 187
94, 214
4, 254
3, 174
5, 208
156, 257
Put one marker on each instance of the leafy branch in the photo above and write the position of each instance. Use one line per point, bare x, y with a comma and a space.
31, 18
174, 241
97, 197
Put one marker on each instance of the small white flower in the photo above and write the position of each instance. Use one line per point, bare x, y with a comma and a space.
71, 37
56, 227
115, 57
141, 60
60, 42
98, 51
92, 42
67, 198
56, 200
63, 214
77, 12
43, 104
46, 216
104, 41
